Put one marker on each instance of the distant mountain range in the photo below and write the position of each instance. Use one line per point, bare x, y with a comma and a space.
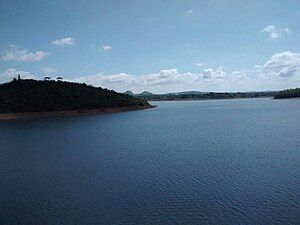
147, 93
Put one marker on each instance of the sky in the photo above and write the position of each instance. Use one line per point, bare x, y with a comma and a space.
154, 45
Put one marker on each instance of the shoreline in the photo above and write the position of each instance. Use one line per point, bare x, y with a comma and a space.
286, 98
79, 112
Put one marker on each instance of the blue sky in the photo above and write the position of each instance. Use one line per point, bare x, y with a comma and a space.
154, 45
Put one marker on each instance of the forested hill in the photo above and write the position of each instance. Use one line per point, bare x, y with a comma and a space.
289, 93
36, 96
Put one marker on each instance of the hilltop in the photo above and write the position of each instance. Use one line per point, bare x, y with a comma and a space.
23, 96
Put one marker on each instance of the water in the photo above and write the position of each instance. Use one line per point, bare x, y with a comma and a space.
202, 162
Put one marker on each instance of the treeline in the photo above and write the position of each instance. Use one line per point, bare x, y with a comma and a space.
289, 93
34, 96
204, 96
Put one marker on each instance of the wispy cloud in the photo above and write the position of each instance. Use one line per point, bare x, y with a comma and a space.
15, 53
64, 41
200, 64
106, 48
274, 32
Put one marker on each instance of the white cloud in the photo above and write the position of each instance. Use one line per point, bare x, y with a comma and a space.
287, 72
164, 81
280, 71
12, 73
283, 59
210, 73
49, 69
200, 64
274, 32
189, 12
106, 48
155, 82
15, 53
257, 66
64, 41
238, 75
284, 64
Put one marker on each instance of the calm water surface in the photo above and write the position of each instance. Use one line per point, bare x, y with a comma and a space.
202, 162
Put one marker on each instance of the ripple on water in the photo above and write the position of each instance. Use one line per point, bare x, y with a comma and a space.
212, 162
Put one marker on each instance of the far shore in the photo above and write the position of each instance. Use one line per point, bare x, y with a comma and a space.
33, 115
202, 99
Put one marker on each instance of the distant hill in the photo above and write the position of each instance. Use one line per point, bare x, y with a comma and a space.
37, 96
289, 93
128, 93
145, 93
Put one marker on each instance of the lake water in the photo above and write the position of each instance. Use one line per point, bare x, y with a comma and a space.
200, 162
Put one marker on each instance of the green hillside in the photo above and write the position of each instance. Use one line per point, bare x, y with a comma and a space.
36, 96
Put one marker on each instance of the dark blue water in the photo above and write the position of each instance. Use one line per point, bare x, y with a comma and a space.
204, 162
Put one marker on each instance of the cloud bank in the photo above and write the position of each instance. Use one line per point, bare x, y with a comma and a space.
280, 71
